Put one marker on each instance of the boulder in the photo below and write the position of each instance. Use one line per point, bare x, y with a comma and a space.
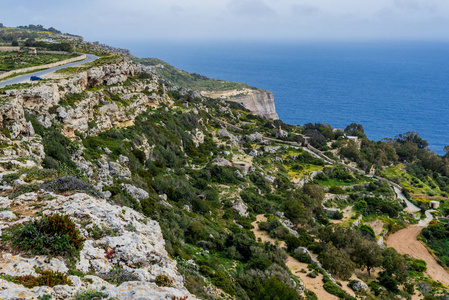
221, 161
136, 192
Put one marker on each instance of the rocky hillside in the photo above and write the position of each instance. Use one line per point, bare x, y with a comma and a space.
118, 183
258, 101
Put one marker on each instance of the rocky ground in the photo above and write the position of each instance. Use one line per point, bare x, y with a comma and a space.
120, 243
137, 248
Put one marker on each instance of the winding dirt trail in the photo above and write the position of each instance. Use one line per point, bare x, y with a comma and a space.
295, 266
405, 242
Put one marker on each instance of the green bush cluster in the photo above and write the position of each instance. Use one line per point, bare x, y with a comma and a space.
70, 99
97, 232
376, 205
90, 295
118, 275
334, 289
46, 278
436, 236
50, 234
163, 280
58, 148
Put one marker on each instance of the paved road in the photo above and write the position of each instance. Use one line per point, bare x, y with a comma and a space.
411, 208
26, 78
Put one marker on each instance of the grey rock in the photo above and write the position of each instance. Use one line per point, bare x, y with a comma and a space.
123, 159
272, 149
18, 182
240, 207
136, 192
238, 174
107, 151
107, 195
165, 203
118, 170
221, 161
225, 133
281, 133
359, 285
7, 215
242, 166
269, 178
255, 137
254, 153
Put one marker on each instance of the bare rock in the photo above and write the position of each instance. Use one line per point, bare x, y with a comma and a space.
221, 161
136, 192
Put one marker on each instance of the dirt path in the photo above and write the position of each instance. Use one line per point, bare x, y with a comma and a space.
377, 226
347, 214
295, 266
405, 242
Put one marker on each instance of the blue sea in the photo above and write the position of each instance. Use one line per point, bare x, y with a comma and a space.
388, 87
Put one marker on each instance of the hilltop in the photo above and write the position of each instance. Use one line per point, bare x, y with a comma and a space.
121, 178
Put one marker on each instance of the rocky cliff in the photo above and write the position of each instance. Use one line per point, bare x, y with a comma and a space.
258, 102
123, 254
134, 246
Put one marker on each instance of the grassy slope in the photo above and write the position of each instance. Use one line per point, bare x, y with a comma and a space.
191, 81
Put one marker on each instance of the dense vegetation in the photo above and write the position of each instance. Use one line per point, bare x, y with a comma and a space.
436, 236
195, 199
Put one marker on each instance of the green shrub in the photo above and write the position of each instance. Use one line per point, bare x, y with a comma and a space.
310, 295
23, 189
334, 289
90, 295
117, 276
69, 184
367, 230
46, 278
8, 178
97, 232
39, 174
71, 98
50, 163
52, 234
336, 190
335, 215
419, 265
163, 280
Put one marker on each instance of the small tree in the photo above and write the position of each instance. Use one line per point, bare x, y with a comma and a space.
337, 261
30, 42
366, 254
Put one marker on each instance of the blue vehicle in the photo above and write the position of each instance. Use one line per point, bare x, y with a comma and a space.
35, 78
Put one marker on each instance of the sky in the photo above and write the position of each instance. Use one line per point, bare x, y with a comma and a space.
140, 20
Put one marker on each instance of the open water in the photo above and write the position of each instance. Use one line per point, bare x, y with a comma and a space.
388, 87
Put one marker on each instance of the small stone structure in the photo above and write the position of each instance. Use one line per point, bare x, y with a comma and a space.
434, 204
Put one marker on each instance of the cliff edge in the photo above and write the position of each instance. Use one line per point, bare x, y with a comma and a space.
258, 102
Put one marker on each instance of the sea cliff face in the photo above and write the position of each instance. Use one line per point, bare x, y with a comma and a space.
258, 102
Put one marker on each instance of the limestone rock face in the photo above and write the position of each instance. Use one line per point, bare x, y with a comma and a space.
258, 102
91, 114
137, 247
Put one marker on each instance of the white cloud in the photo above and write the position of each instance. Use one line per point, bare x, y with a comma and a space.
231, 19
